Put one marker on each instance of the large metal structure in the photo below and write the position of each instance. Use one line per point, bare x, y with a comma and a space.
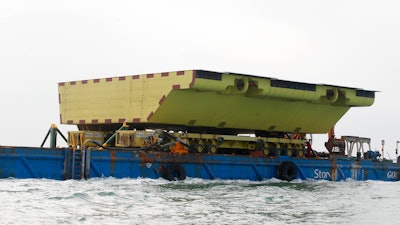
201, 124
206, 101
65, 163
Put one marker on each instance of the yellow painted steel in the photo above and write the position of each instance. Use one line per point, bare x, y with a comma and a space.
78, 139
114, 100
237, 142
203, 142
195, 98
134, 138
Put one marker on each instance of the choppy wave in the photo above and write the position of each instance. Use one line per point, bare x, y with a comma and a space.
197, 201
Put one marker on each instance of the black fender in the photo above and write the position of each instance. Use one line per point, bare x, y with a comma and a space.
174, 172
287, 170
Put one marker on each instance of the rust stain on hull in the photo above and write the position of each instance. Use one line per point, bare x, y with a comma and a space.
145, 158
113, 157
333, 170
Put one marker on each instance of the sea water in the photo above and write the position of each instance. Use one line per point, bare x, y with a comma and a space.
197, 201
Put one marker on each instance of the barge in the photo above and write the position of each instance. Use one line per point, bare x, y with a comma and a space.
201, 124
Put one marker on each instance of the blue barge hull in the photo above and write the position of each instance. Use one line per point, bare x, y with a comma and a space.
64, 163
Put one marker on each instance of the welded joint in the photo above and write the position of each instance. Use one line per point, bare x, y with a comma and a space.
209, 171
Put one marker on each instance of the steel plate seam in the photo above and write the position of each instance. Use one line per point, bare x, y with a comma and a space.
209, 171
28, 166
256, 171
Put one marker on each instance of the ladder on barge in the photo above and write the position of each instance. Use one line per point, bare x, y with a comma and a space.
77, 164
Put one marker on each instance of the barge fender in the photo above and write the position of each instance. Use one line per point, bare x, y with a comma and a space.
174, 172
287, 170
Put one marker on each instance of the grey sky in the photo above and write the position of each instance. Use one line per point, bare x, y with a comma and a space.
347, 43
